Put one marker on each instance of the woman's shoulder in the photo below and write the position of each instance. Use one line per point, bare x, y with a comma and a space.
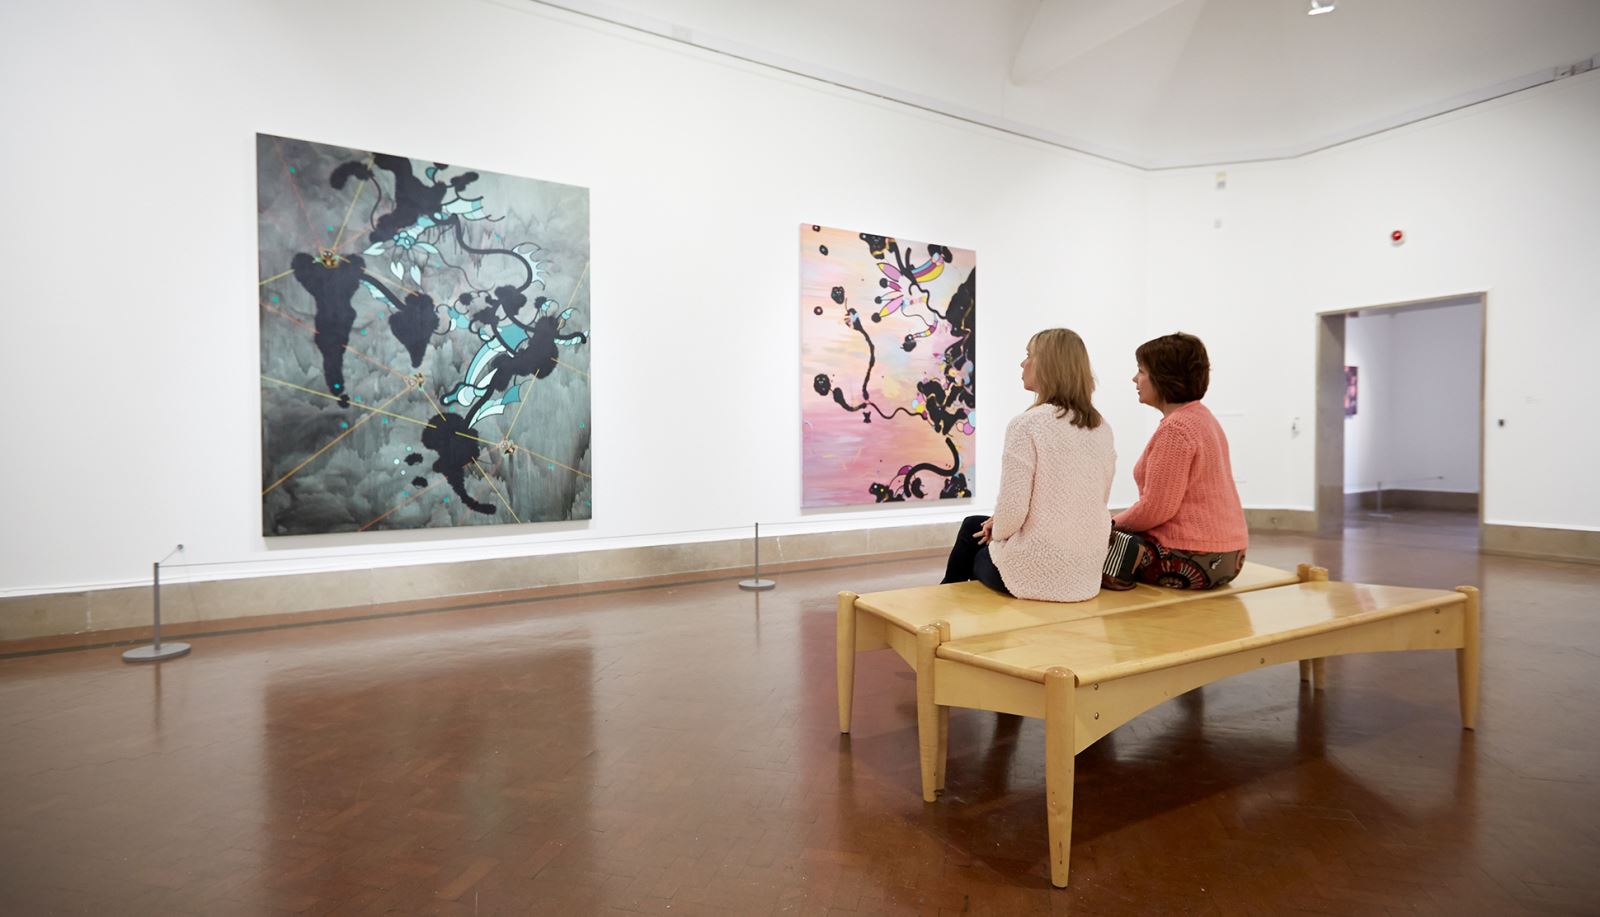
1048, 417
1190, 419
1195, 412
1189, 427
1037, 416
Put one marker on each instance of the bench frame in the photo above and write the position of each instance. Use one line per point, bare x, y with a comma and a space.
1077, 714
861, 628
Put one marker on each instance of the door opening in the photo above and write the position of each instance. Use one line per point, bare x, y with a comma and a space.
1400, 415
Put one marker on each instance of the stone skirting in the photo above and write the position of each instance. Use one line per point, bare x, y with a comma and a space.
98, 610
1281, 520
1437, 500
1546, 544
1272, 520
24, 617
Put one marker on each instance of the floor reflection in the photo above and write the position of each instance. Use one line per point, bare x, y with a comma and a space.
676, 750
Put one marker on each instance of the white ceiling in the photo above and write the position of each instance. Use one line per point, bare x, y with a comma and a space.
1151, 83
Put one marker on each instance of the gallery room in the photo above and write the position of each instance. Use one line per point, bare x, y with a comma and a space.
506, 457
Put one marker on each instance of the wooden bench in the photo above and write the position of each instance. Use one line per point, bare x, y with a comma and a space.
892, 619
1085, 676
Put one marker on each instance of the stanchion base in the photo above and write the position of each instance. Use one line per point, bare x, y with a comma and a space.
151, 654
756, 585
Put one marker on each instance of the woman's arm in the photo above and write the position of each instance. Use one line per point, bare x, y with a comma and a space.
1166, 480
1016, 481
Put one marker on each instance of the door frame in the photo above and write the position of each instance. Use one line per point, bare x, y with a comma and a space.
1328, 464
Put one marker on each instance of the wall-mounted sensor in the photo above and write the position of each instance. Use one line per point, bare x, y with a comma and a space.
1398, 237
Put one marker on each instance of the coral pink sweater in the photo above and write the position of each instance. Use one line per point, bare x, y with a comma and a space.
1187, 499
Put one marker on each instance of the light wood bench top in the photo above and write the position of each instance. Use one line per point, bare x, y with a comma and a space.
973, 609
1117, 645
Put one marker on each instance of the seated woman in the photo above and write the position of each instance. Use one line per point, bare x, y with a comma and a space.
1047, 538
1188, 509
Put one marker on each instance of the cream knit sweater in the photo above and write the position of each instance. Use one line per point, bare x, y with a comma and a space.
1051, 524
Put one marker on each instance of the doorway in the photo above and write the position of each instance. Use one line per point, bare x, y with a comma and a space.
1400, 416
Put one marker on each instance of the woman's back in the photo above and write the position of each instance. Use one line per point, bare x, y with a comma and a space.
1187, 497
1050, 521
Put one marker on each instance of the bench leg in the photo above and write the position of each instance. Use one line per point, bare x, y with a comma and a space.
942, 755
928, 719
845, 656
1467, 658
1312, 670
1310, 574
1060, 694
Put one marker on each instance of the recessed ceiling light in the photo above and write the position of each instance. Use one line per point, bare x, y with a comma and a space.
1318, 7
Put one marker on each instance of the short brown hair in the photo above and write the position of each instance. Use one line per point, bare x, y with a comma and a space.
1062, 377
1177, 366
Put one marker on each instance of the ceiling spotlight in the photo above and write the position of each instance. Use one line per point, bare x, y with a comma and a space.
1318, 7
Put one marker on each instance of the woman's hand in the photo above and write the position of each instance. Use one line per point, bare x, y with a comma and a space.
982, 534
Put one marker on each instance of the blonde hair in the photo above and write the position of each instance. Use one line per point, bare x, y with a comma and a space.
1062, 376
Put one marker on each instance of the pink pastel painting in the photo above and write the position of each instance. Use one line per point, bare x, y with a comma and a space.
888, 375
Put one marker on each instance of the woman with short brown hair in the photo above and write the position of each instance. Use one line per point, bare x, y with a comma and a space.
1047, 538
1188, 511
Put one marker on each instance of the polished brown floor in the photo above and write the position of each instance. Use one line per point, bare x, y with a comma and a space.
675, 751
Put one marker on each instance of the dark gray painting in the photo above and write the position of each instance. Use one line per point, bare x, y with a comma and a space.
424, 343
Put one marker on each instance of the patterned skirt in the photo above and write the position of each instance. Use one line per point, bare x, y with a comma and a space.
1138, 558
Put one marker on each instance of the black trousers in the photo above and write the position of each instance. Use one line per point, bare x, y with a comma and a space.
970, 560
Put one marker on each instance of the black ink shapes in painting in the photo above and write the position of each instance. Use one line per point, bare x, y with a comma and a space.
424, 343
888, 346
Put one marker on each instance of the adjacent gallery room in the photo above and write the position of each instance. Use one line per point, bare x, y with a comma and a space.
501, 457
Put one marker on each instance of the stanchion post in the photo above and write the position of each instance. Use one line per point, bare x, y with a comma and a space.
156, 652
756, 583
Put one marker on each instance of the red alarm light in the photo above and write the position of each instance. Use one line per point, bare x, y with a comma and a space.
1397, 237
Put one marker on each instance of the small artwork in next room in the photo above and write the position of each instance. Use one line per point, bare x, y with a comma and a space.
1349, 391
888, 375
424, 343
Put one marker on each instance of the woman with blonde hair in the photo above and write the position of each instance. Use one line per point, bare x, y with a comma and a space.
1047, 538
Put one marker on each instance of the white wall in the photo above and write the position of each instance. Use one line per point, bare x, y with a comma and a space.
1416, 426
131, 350
132, 414
1500, 198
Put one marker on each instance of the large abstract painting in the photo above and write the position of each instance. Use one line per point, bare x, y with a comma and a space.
424, 343
888, 347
